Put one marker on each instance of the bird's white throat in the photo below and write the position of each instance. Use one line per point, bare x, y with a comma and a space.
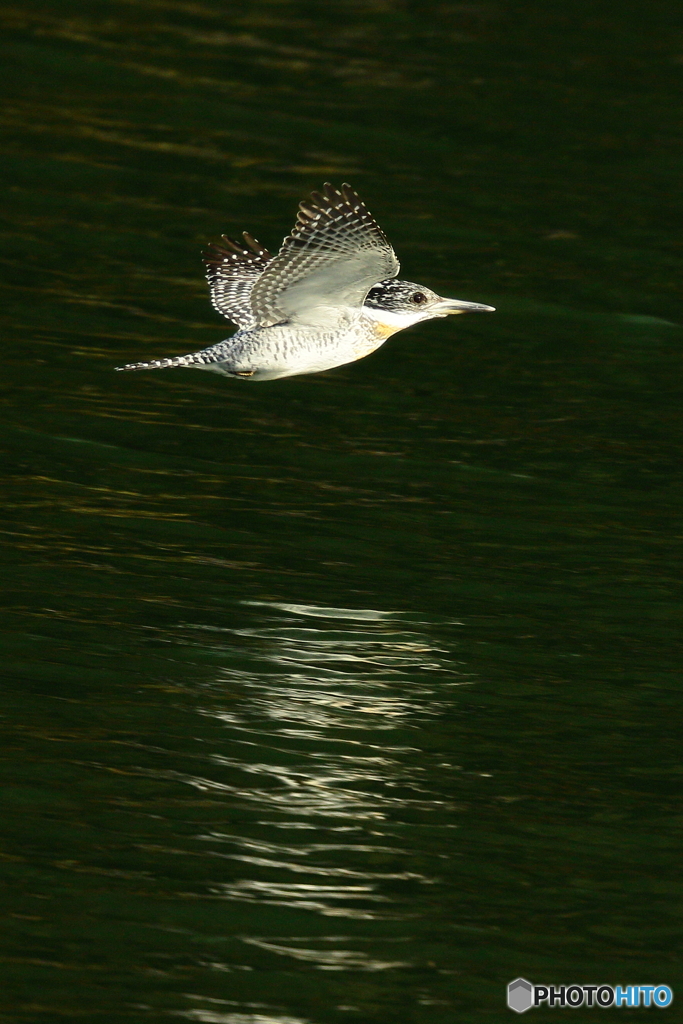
392, 322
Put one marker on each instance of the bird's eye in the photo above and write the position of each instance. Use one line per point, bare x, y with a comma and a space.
418, 297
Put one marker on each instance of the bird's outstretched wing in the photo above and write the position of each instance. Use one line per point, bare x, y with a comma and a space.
334, 255
231, 270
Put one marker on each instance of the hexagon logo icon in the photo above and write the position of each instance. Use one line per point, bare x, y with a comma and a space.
520, 995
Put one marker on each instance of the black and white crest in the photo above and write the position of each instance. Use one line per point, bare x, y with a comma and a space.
400, 296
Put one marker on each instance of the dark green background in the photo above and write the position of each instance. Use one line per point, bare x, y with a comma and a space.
348, 697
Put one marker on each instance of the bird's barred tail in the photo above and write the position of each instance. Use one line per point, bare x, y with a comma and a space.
164, 364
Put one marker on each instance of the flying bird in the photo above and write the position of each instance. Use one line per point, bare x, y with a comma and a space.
330, 296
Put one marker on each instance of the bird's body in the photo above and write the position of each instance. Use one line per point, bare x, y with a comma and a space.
264, 353
329, 297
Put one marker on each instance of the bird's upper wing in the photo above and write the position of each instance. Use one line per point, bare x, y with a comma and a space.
334, 255
231, 270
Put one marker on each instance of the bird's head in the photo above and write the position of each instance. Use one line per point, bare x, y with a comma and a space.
399, 304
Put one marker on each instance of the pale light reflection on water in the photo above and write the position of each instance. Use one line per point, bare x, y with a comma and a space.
215, 1017
309, 737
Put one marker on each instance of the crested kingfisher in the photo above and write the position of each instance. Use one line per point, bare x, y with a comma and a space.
330, 296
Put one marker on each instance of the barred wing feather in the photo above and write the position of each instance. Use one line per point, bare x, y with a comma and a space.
334, 255
231, 270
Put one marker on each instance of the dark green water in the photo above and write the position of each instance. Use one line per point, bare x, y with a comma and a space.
348, 697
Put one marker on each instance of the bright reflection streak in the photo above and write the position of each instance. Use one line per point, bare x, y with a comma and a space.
364, 614
213, 1017
329, 960
305, 896
322, 768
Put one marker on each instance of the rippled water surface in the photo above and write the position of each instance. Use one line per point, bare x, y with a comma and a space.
347, 697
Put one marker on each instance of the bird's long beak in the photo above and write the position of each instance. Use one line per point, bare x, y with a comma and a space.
447, 306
